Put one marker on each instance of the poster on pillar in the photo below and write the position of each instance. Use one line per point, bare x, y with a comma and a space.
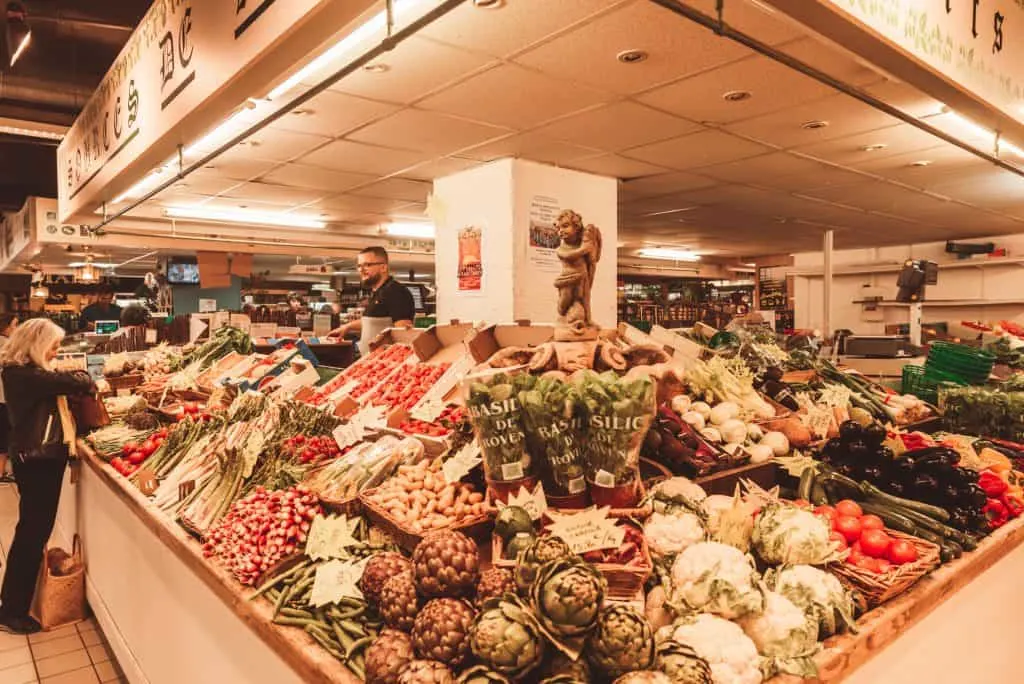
470, 266
544, 237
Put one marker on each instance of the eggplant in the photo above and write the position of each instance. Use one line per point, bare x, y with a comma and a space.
885, 454
933, 456
773, 373
950, 493
894, 487
973, 496
833, 447
848, 469
859, 452
872, 473
873, 434
963, 476
961, 519
926, 486
850, 431
903, 469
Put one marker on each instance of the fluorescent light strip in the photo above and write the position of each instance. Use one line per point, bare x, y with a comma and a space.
669, 254
21, 48
423, 231
1010, 147
154, 179
243, 217
376, 25
31, 133
237, 122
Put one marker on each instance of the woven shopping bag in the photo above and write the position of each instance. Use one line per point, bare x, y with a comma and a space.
60, 590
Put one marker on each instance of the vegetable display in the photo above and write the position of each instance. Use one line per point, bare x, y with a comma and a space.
419, 498
554, 434
492, 400
616, 413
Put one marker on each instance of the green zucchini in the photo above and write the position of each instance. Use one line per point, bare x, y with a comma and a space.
819, 497
929, 523
803, 490
891, 518
934, 512
955, 548
848, 487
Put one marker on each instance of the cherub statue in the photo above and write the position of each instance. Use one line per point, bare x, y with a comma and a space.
579, 252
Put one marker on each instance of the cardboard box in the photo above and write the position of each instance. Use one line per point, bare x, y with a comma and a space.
442, 343
395, 336
489, 340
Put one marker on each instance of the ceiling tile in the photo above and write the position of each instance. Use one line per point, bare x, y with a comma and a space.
316, 178
773, 87
904, 97
618, 126
777, 170
206, 181
512, 27
270, 193
697, 150
398, 189
414, 68
844, 115
663, 184
529, 146
278, 145
992, 188
615, 166
430, 132
849, 150
357, 204
675, 46
333, 114
238, 163
757, 18
347, 155
439, 168
832, 60
884, 197
512, 96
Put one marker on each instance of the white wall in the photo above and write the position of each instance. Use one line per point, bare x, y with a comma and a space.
994, 282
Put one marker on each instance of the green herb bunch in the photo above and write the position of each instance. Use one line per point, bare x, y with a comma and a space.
617, 412
554, 434
492, 400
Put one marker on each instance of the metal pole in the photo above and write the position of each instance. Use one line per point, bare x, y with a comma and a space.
827, 317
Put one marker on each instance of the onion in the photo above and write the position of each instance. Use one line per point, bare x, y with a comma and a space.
694, 420
727, 410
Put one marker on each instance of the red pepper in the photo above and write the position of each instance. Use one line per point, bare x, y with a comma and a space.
993, 485
996, 513
1014, 504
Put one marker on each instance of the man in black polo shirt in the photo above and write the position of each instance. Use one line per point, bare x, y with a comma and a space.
390, 304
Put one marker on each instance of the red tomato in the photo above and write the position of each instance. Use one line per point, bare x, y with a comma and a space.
856, 555
849, 507
869, 564
882, 566
117, 463
849, 527
136, 458
872, 522
129, 447
902, 552
826, 512
148, 447
840, 541
875, 543
802, 503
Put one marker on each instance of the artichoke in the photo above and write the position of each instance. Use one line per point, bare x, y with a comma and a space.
387, 656
682, 664
644, 677
506, 637
494, 583
481, 675
446, 564
535, 555
380, 568
567, 596
622, 641
441, 631
561, 669
564, 679
426, 672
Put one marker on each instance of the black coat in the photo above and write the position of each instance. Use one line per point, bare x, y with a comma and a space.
31, 394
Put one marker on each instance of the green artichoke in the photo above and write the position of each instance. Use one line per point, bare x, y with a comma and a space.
561, 669
682, 664
644, 677
567, 596
564, 679
542, 550
481, 674
622, 641
506, 637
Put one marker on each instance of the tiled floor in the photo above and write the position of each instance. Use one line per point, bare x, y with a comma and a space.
77, 654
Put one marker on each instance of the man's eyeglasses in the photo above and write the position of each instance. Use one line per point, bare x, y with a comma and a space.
363, 267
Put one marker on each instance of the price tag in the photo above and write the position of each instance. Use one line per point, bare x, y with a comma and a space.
329, 537
358, 424
428, 411
590, 530
459, 465
336, 580
346, 388
147, 481
535, 503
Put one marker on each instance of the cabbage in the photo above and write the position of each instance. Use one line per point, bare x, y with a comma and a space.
733, 657
788, 535
784, 635
668, 534
676, 494
715, 578
819, 594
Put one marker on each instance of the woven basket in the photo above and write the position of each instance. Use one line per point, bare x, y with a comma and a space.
60, 599
126, 381
640, 512
475, 528
877, 589
624, 581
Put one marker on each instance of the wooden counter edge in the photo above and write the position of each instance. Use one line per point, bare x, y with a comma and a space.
311, 662
843, 655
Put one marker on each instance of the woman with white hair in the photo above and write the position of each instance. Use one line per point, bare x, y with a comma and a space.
42, 438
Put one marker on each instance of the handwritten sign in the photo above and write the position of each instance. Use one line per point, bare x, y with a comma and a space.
460, 465
590, 530
428, 411
330, 536
336, 580
147, 481
535, 503
358, 425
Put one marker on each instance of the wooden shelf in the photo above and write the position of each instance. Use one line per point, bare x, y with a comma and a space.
893, 267
933, 303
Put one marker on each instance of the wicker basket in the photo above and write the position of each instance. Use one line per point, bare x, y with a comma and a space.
126, 381
476, 528
625, 582
638, 513
877, 589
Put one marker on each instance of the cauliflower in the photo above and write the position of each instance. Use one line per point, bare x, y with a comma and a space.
715, 578
731, 654
788, 535
667, 534
677, 493
784, 635
819, 594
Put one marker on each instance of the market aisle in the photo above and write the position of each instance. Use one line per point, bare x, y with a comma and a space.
71, 655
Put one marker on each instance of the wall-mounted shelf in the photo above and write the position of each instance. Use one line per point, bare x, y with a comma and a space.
893, 267
947, 302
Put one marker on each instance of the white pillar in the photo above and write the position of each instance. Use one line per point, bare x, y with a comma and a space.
827, 317
511, 201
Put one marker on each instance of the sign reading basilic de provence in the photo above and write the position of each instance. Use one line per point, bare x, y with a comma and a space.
182, 54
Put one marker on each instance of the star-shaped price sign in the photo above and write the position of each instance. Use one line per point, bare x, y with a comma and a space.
355, 429
336, 580
535, 503
590, 530
329, 537
460, 464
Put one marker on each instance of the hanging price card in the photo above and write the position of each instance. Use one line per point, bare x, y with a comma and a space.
590, 530
330, 536
459, 465
336, 580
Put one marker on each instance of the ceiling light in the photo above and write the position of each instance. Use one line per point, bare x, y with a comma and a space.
489, 4
632, 56
243, 118
969, 127
921, 163
376, 25
155, 178
669, 254
670, 211
30, 132
98, 264
423, 231
264, 218
19, 35
814, 125
377, 68
873, 148
41, 292
737, 95
1010, 147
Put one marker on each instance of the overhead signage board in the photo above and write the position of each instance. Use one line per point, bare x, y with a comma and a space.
974, 46
186, 67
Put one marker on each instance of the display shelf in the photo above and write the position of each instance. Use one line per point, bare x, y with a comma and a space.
896, 267
945, 302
